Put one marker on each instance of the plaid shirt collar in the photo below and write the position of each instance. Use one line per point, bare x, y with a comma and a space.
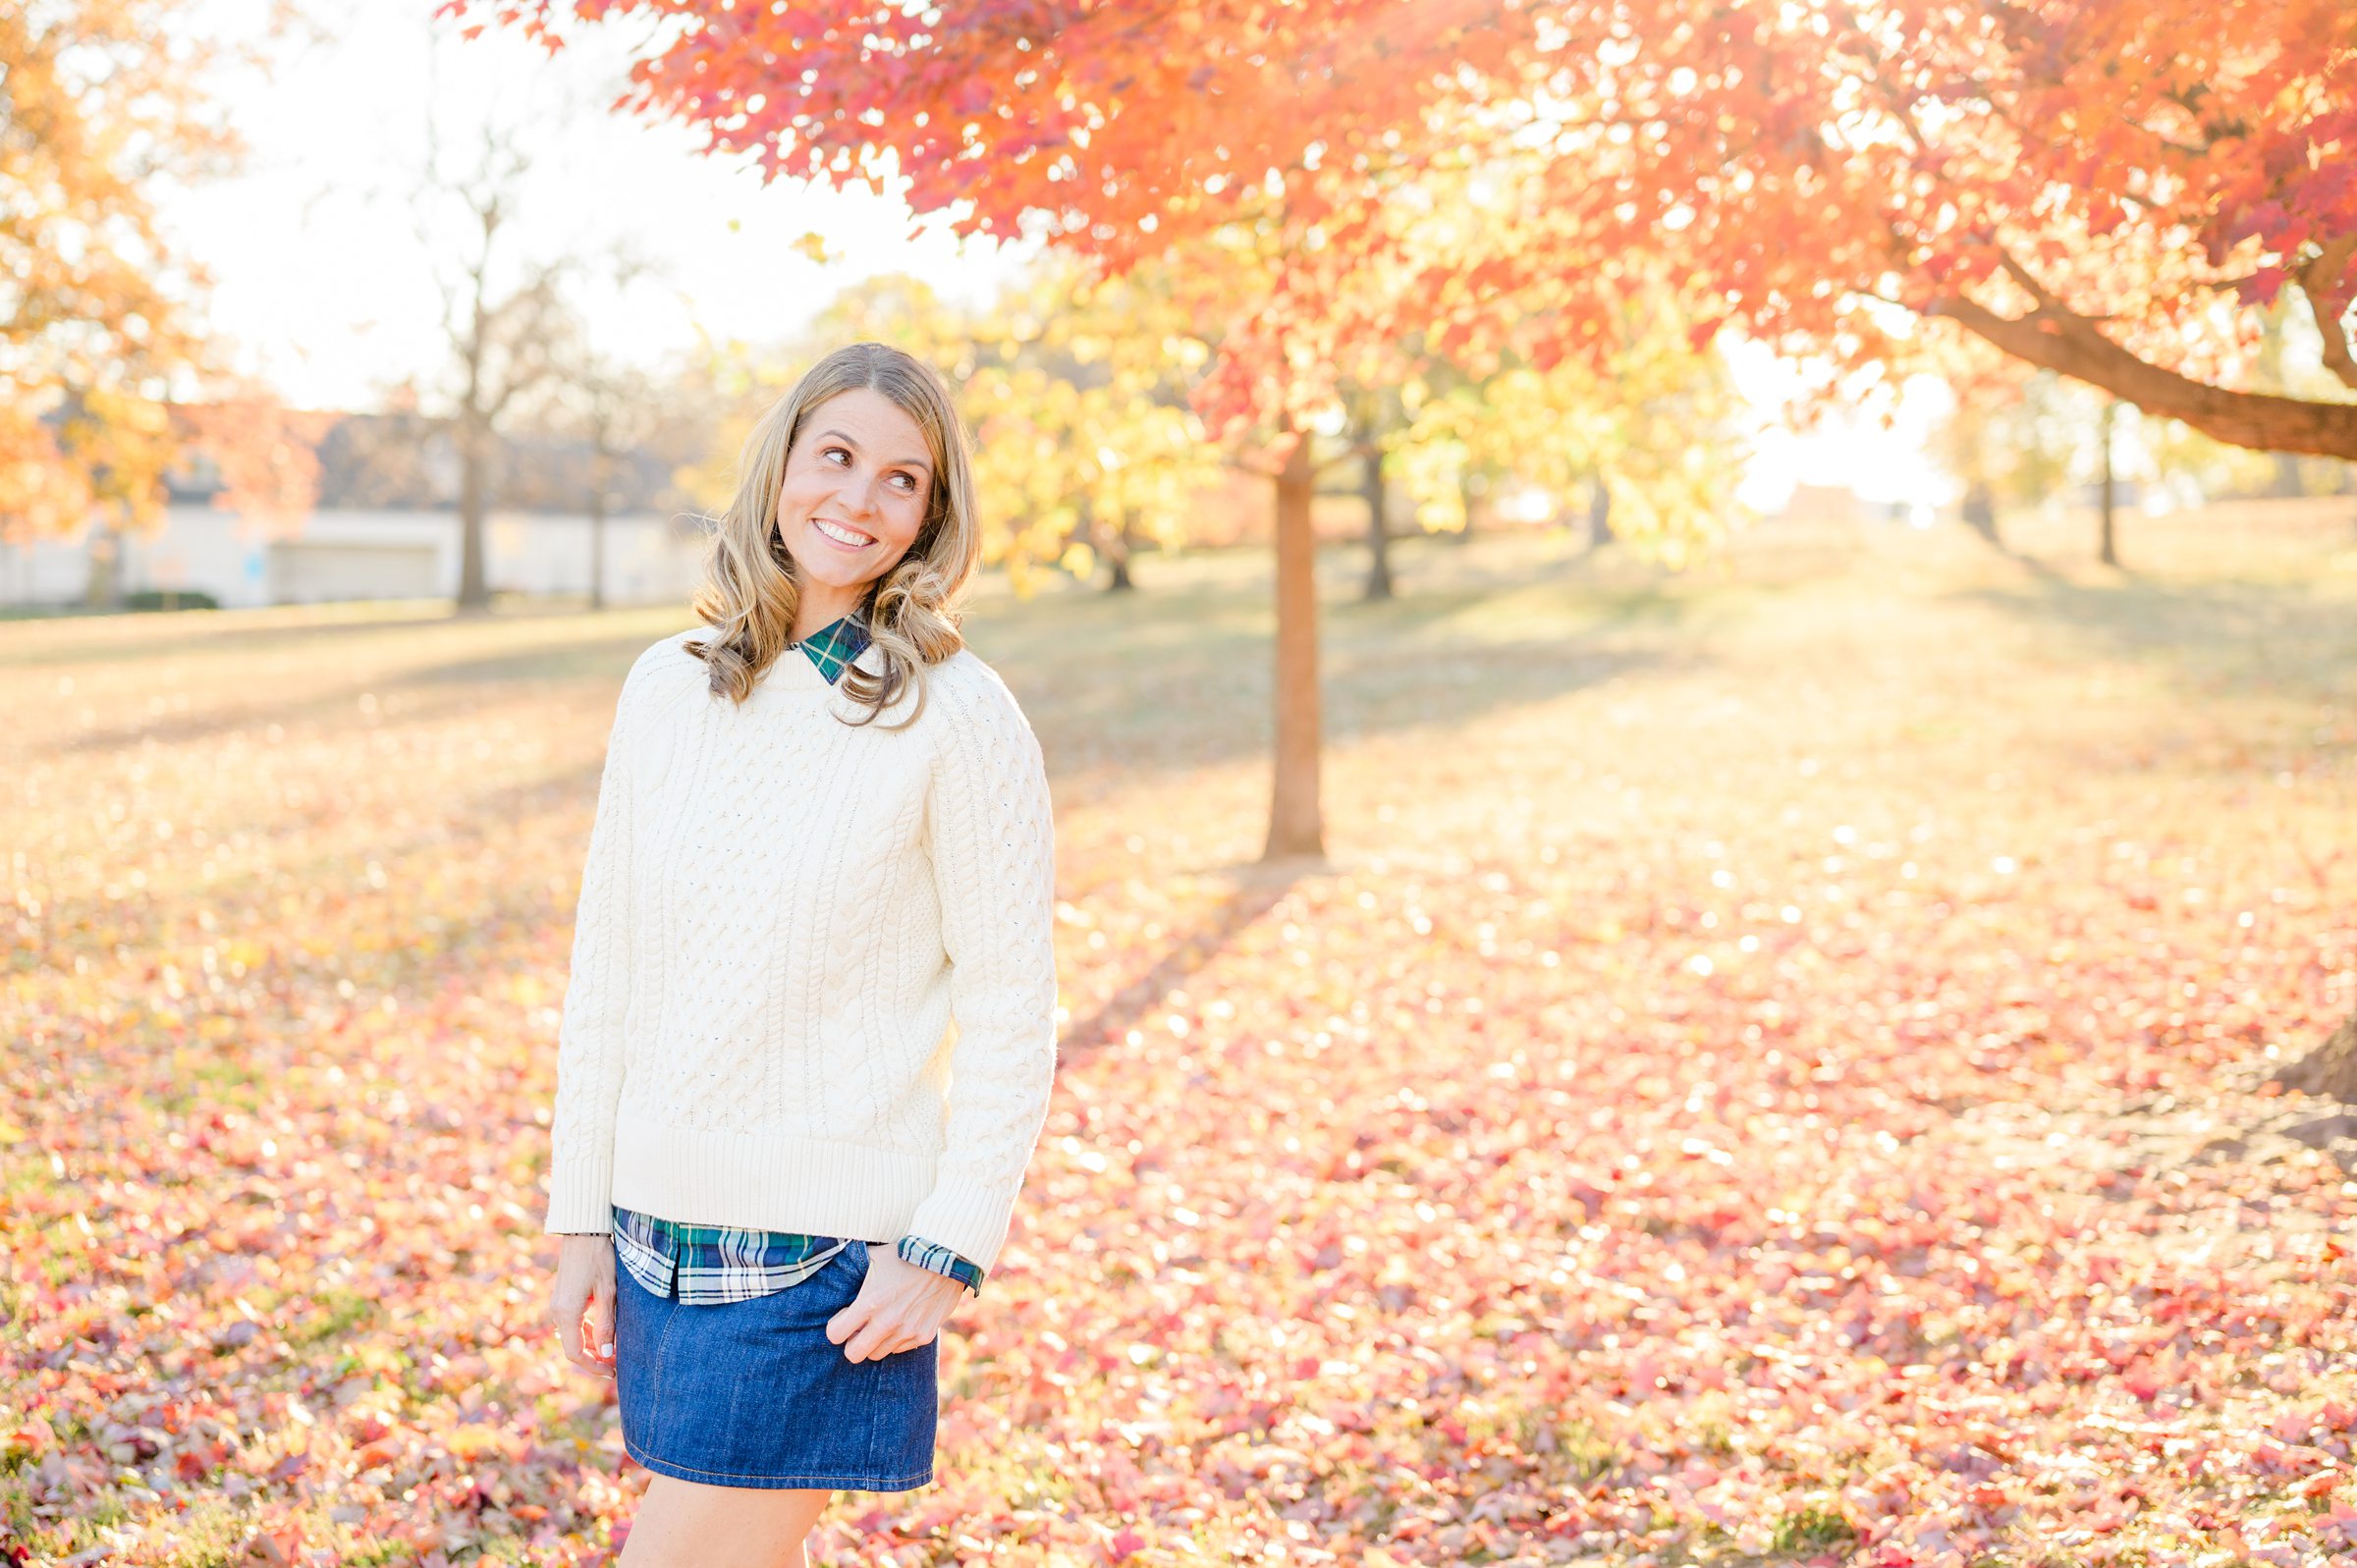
835, 646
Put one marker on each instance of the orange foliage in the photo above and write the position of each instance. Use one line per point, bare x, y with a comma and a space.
2106, 188
98, 99
267, 456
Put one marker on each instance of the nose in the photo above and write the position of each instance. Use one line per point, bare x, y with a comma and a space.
860, 495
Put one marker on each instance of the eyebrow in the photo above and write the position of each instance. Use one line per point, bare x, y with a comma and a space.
901, 462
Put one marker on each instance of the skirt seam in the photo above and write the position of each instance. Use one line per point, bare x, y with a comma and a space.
845, 1483
670, 1318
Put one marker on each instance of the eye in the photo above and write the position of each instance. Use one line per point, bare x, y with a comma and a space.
829, 452
912, 479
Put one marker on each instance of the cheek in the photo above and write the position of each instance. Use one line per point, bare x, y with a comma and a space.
910, 516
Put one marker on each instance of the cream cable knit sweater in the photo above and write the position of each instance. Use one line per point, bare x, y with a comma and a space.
780, 917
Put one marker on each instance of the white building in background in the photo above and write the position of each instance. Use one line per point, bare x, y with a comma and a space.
367, 555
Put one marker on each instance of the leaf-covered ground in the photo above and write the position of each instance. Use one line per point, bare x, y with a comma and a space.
1770, 1074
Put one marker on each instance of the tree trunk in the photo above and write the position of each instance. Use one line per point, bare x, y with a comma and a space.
1599, 514
474, 483
600, 463
1295, 825
2329, 1069
2111, 549
1378, 532
1980, 513
1124, 540
104, 591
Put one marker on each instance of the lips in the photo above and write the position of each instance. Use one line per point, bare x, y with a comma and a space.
843, 534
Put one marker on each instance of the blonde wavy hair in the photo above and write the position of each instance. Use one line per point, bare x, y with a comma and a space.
750, 593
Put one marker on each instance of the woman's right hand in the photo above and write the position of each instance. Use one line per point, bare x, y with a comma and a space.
584, 1288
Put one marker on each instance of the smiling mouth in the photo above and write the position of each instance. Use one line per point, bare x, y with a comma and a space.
850, 537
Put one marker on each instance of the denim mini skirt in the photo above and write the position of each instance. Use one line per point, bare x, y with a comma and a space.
753, 1393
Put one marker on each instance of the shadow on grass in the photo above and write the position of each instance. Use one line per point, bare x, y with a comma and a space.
115, 638
478, 828
1259, 889
1167, 678
2241, 637
1187, 679
588, 657
604, 655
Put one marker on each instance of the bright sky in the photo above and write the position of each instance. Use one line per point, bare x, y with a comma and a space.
321, 274
319, 269
1855, 451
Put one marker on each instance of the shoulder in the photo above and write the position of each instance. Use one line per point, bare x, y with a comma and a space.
668, 653
659, 682
974, 715
666, 662
971, 692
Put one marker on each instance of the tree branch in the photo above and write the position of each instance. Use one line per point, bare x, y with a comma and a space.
2320, 281
2053, 337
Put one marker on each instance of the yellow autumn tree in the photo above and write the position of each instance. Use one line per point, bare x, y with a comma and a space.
1076, 394
1655, 427
1079, 399
99, 101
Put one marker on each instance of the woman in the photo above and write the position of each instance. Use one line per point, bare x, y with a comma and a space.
810, 1035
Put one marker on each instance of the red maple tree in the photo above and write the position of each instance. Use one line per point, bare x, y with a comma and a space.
2109, 189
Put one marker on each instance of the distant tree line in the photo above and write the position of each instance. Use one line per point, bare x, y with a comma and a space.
407, 460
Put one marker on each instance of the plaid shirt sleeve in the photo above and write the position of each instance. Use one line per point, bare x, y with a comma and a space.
941, 1260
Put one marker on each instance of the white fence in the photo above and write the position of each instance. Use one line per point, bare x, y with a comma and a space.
366, 554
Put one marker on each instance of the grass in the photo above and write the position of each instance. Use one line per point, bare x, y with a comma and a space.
1813, 1529
288, 894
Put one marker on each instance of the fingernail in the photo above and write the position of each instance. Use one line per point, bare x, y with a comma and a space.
605, 1350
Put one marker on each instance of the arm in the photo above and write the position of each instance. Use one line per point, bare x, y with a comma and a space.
589, 1042
992, 835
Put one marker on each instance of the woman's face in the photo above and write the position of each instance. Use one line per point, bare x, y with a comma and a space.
857, 481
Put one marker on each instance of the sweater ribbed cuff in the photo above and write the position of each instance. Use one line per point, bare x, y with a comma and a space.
581, 1196
970, 1221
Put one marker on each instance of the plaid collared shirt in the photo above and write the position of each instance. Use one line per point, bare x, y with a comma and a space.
710, 1263
705, 1264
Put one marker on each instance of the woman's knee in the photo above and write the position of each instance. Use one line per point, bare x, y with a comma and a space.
685, 1524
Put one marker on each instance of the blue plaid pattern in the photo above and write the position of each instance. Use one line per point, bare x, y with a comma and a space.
833, 646
712, 1264
940, 1259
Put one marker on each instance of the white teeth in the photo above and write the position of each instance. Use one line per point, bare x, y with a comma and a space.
837, 532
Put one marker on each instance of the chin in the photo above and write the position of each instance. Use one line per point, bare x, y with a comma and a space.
813, 567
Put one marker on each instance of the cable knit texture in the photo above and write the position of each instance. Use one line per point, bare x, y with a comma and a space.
814, 977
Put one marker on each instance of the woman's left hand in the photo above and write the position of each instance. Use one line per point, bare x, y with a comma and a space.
899, 1307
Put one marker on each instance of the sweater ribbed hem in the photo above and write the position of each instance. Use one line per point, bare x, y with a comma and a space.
813, 1185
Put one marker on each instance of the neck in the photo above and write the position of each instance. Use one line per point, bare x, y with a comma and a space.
822, 605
